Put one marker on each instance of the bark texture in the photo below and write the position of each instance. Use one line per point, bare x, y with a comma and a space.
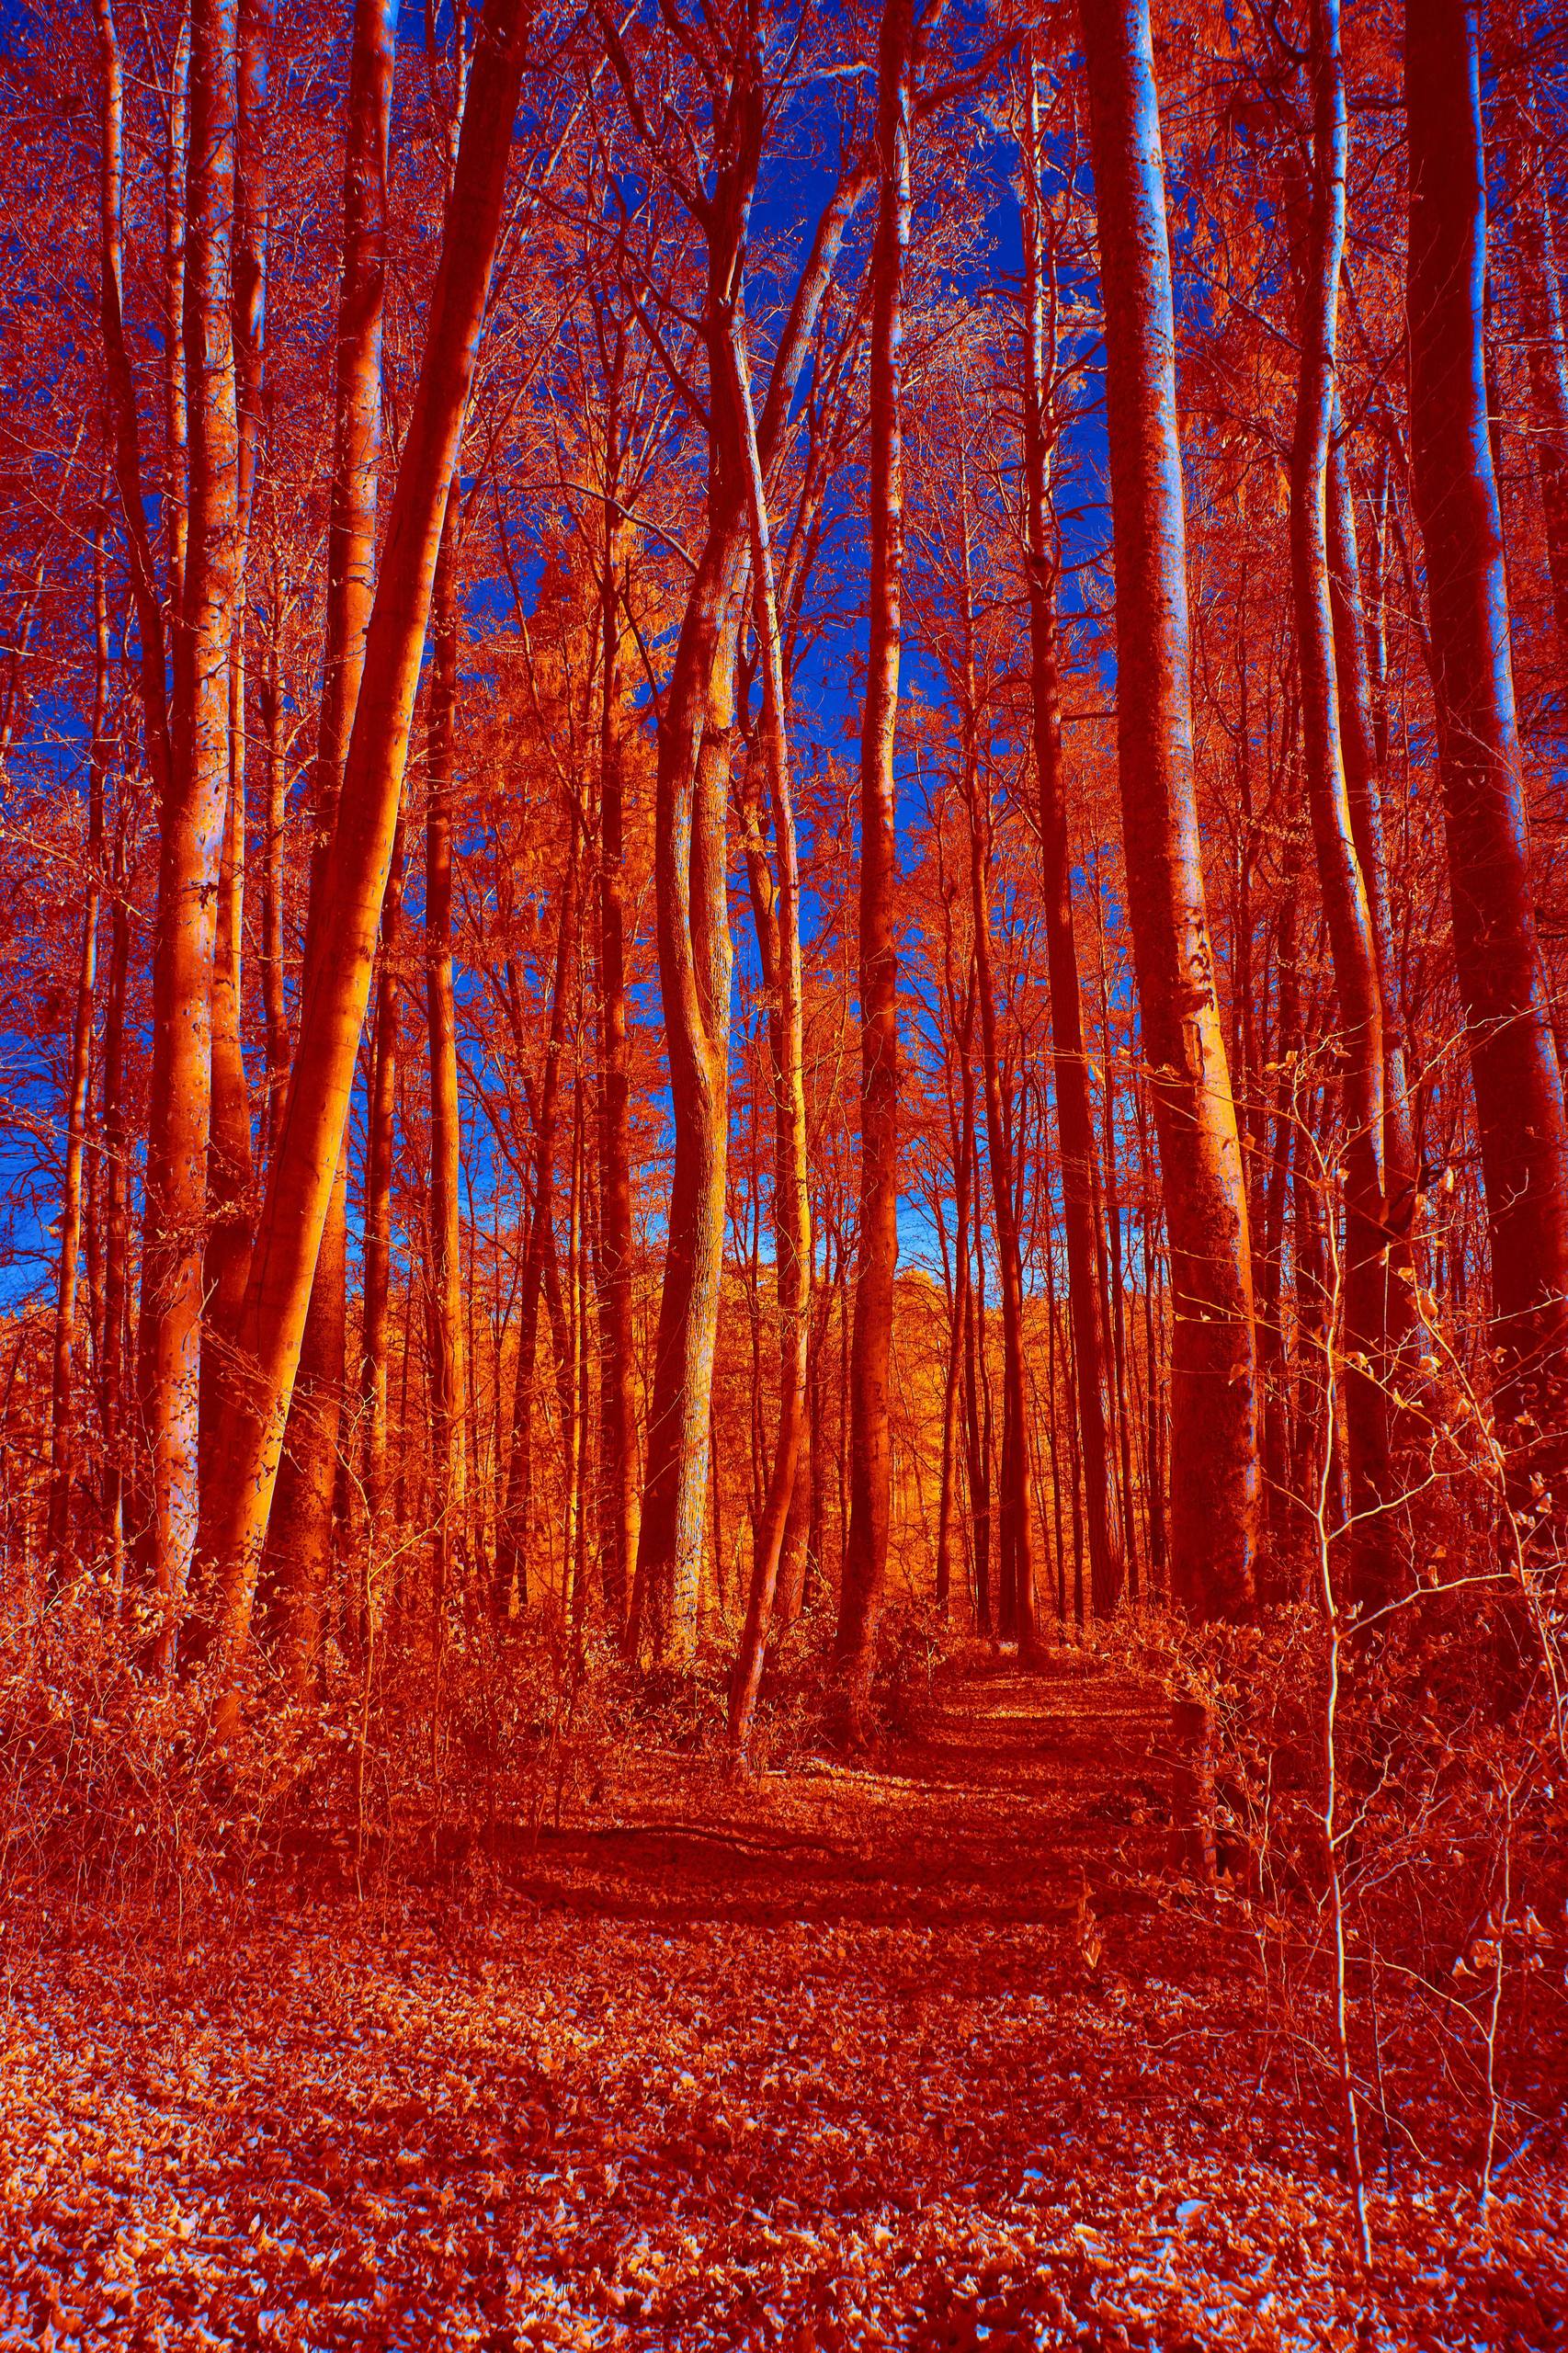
1214, 1481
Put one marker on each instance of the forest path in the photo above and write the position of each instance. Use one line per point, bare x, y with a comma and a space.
1011, 1793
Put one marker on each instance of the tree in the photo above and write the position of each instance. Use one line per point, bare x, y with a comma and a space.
1213, 1399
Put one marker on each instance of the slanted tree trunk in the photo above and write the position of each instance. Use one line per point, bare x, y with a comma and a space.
1075, 1111
62, 1447
1213, 1401
301, 1540
190, 827
870, 1443
1518, 1086
339, 972
1347, 905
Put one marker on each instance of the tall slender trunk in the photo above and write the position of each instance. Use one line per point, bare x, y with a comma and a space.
1347, 905
1074, 1114
231, 1171
870, 1444
302, 1531
1365, 770
1017, 1517
175, 516
619, 1499
62, 1450
446, 1117
513, 1526
1538, 290
1213, 1405
116, 1219
191, 826
1514, 1067
338, 977
273, 1002
791, 1193
380, 1153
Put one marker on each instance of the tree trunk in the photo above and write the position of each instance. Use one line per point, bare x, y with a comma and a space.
446, 1117
338, 978
62, 1448
1214, 1406
380, 1155
231, 1171
1519, 1088
1537, 289
870, 1446
791, 1207
275, 1015
618, 1394
1347, 908
190, 833
514, 1530
1075, 1113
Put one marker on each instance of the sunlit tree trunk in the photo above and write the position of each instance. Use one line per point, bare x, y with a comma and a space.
1075, 1112
190, 829
513, 1527
117, 1221
302, 1531
338, 971
792, 1207
1213, 1404
447, 1410
173, 386
1347, 907
380, 1153
1519, 1088
1017, 1501
870, 1444
1364, 780
620, 1498
273, 1001
63, 1450
230, 1174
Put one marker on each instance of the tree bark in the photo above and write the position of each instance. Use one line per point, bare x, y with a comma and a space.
791, 1207
1074, 1111
1519, 1088
1346, 907
302, 1531
337, 978
231, 1169
620, 1498
62, 1448
191, 828
378, 1222
447, 1411
870, 1444
1214, 1404
1537, 288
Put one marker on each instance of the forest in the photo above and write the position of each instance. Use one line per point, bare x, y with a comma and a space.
784, 1173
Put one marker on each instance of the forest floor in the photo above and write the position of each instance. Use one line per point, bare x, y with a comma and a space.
934, 2056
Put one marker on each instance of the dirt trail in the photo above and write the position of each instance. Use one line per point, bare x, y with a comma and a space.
1010, 1794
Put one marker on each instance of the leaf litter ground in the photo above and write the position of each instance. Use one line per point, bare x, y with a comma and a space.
677, 2100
